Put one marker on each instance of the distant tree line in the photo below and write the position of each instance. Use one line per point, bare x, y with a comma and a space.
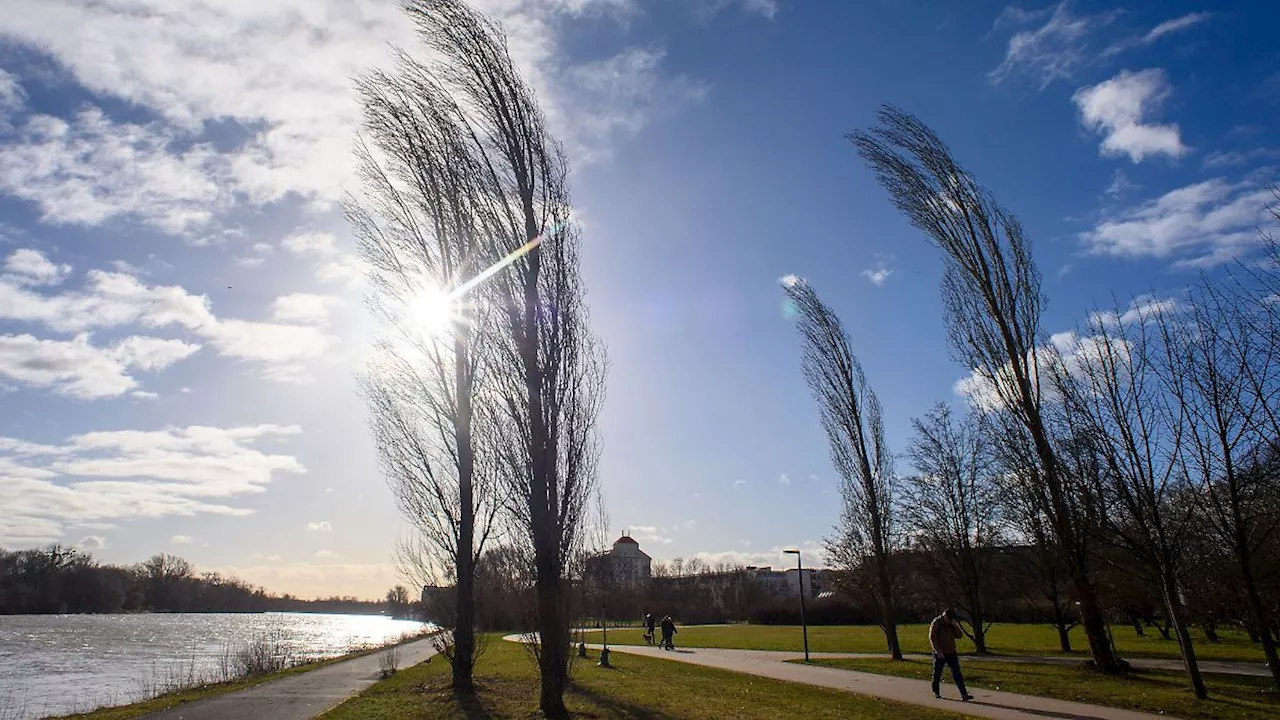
62, 579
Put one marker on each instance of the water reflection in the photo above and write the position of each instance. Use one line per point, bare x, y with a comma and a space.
57, 664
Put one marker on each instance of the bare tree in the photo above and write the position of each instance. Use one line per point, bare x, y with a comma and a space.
951, 507
421, 227
548, 367
855, 434
991, 290
1130, 434
1224, 377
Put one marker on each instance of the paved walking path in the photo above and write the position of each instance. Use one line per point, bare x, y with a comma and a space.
1220, 667
986, 703
297, 697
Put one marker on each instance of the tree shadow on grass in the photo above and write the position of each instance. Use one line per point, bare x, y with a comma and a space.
473, 707
615, 708
1041, 713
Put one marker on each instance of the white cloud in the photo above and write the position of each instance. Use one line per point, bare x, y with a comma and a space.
77, 368
739, 483
113, 299
331, 265
1117, 107
1199, 225
1168, 27
1052, 51
1141, 309
1229, 158
12, 96
31, 267
784, 479
1067, 352
322, 526
812, 555
90, 169
327, 554
767, 8
302, 308
181, 540
281, 72
92, 542
153, 354
650, 533
1120, 185
1178, 24
623, 93
114, 475
878, 273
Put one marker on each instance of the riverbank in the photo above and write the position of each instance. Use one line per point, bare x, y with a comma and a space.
207, 690
56, 665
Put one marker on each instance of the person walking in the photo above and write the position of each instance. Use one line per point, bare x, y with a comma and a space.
668, 633
648, 628
943, 632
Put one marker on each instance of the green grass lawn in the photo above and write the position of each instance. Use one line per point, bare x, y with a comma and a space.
1231, 697
638, 687
1001, 639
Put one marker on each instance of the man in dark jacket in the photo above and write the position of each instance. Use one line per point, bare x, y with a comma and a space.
648, 628
943, 632
668, 633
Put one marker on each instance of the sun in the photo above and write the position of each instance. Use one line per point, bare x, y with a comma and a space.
432, 312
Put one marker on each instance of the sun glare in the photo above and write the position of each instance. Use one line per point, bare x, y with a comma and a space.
432, 312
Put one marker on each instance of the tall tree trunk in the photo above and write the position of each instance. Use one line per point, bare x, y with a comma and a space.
553, 651
1173, 606
1091, 617
464, 634
1095, 624
1258, 618
1064, 636
978, 621
889, 621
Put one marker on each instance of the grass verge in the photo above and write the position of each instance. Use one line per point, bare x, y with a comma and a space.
637, 687
1001, 640
1231, 697
168, 700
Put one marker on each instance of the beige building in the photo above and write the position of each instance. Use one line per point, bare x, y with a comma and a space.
624, 564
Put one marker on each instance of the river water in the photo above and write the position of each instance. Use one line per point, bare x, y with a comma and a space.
58, 664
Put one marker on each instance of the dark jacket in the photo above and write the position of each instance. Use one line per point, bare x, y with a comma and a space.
942, 635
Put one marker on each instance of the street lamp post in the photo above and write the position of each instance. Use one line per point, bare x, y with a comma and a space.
804, 625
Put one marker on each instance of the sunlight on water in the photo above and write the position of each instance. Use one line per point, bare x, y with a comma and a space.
57, 664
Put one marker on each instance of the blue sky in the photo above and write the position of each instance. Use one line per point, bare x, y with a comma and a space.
180, 309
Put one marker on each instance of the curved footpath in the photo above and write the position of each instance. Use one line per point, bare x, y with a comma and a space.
986, 703
297, 697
